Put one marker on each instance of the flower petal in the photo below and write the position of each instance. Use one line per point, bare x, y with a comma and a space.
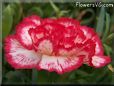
60, 64
18, 56
34, 18
88, 50
100, 61
68, 22
48, 20
90, 34
22, 33
70, 37
99, 47
37, 34
23, 28
48, 31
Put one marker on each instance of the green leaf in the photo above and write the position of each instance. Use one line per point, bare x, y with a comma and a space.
34, 76
96, 74
16, 14
107, 27
72, 76
48, 13
58, 12
53, 77
112, 81
15, 77
78, 74
82, 81
110, 37
108, 49
100, 22
63, 12
87, 20
7, 21
56, 9
101, 77
36, 10
43, 77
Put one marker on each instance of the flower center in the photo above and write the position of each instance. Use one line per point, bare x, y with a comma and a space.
45, 47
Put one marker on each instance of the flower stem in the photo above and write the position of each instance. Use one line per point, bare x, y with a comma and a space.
34, 76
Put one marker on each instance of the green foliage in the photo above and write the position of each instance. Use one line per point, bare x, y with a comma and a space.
7, 21
36, 10
14, 12
15, 77
100, 22
107, 27
34, 76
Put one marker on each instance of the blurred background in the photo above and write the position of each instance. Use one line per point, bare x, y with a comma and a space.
100, 18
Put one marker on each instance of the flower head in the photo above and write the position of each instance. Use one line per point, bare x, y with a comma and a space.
60, 45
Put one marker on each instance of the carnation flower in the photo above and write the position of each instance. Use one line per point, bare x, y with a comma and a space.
60, 45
